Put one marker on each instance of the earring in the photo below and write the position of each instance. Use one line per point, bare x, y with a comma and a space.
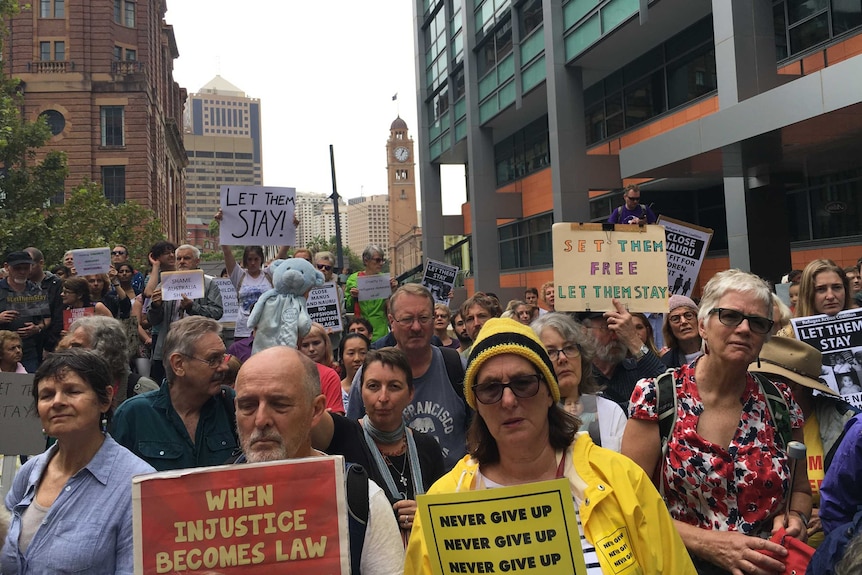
104, 422
44, 433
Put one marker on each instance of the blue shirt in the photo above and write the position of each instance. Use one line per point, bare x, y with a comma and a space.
88, 528
623, 215
149, 426
840, 492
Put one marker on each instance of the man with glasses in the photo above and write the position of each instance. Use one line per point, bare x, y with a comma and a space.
437, 407
632, 212
621, 357
190, 421
51, 286
24, 307
120, 255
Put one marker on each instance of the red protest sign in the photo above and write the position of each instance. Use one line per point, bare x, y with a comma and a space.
250, 519
73, 313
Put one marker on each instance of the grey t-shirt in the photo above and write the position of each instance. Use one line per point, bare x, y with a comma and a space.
436, 409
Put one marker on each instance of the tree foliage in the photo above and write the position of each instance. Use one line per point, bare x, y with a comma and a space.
351, 260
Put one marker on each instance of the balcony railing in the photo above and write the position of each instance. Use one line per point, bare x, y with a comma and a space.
125, 67
50, 67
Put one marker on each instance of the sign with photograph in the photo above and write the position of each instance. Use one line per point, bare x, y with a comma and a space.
324, 307
260, 215
686, 248
439, 278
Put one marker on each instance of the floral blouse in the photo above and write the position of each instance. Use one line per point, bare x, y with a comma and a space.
735, 488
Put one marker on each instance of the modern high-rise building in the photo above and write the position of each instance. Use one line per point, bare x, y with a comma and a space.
223, 140
743, 116
101, 74
368, 223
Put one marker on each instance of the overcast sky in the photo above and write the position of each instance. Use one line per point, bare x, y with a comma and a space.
325, 73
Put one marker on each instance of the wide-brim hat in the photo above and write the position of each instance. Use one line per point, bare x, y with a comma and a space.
794, 360
500, 336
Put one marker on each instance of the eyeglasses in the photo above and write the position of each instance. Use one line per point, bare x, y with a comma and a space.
324, 267
633, 199
213, 362
408, 321
523, 386
117, 253
687, 316
378, 260
570, 351
732, 318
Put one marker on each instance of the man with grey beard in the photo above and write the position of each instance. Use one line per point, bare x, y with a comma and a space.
621, 357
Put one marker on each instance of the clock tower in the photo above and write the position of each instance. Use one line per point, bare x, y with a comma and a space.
405, 236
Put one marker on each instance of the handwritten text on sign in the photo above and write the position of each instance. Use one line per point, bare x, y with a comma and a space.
248, 519
189, 283
92, 261
592, 266
257, 215
529, 527
20, 429
229, 300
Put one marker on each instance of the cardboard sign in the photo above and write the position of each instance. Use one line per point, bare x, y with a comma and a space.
248, 519
839, 339
686, 248
596, 263
230, 303
530, 527
20, 427
92, 261
257, 215
189, 283
324, 307
70, 315
373, 287
439, 278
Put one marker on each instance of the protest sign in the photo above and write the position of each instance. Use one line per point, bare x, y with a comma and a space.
686, 248
373, 287
230, 303
324, 307
91, 261
71, 314
839, 339
20, 428
189, 283
530, 527
257, 215
594, 264
250, 519
439, 278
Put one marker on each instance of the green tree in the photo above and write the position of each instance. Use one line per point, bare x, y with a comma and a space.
27, 180
351, 260
89, 220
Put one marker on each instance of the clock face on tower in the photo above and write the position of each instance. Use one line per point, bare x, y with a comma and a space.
401, 154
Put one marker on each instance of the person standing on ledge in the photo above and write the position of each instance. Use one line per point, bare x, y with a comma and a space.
632, 212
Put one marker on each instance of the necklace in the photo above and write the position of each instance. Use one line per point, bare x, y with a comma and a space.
401, 474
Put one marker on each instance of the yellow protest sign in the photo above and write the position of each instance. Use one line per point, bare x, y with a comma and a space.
596, 263
529, 527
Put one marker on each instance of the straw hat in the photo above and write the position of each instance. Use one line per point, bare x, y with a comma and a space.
794, 360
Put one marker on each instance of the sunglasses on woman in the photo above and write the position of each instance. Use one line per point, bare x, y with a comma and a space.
523, 386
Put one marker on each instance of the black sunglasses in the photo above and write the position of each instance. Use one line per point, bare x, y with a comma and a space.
324, 267
732, 318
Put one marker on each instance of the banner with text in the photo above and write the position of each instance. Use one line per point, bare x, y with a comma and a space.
252, 519
257, 215
530, 527
374, 287
686, 248
839, 339
324, 307
594, 264
189, 283
20, 428
439, 278
92, 261
229, 300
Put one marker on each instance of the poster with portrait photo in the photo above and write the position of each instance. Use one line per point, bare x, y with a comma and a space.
439, 278
839, 339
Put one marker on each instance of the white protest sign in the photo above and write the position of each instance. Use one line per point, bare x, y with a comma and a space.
686, 246
439, 278
189, 283
92, 261
373, 287
323, 307
839, 339
230, 303
20, 428
257, 215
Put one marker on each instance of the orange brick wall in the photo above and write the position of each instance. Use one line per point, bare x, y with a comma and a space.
826, 57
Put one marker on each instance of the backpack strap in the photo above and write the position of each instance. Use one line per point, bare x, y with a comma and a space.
454, 369
356, 479
665, 401
778, 410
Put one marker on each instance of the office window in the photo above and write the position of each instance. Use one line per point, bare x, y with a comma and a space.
45, 51
530, 17
523, 153
112, 125
114, 183
497, 47
526, 243
803, 24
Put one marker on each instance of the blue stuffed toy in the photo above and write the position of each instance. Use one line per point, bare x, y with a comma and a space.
280, 316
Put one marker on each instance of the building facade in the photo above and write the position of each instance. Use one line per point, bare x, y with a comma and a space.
101, 74
734, 115
223, 140
405, 236
368, 223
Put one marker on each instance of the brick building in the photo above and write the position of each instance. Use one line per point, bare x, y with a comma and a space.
101, 73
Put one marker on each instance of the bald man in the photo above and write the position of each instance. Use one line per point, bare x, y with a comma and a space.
278, 401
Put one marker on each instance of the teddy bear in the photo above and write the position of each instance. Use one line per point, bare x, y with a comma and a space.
280, 316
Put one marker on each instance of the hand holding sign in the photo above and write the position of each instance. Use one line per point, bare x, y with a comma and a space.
176, 285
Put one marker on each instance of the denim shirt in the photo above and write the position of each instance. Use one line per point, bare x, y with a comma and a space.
88, 528
150, 427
